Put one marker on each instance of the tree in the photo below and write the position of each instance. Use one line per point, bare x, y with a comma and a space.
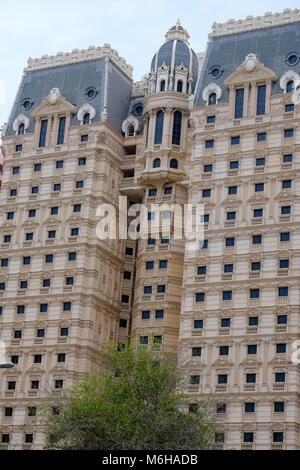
131, 406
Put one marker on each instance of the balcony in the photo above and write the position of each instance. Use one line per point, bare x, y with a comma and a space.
284, 218
257, 221
249, 387
254, 275
282, 272
197, 332
226, 277
251, 330
278, 387
200, 278
221, 388
224, 331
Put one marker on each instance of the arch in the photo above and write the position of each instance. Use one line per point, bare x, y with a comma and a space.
177, 124
174, 163
85, 109
87, 118
157, 163
18, 122
130, 126
163, 85
287, 77
179, 86
159, 127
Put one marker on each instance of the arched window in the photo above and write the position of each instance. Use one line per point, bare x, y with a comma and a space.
212, 99
177, 128
21, 129
174, 163
159, 127
87, 118
130, 131
290, 87
179, 86
163, 85
156, 163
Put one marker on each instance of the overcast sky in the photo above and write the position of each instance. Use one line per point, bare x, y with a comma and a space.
134, 28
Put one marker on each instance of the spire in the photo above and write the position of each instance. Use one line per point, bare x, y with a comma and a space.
177, 32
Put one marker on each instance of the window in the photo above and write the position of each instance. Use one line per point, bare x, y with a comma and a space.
224, 350
198, 324
290, 88
228, 268
164, 241
86, 119
148, 290
235, 140
285, 237
282, 320
152, 192
84, 138
59, 383
281, 348
21, 309
283, 291
151, 241
61, 131
289, 108
206, 193
21, 130
200, 297
11, 385
159, 127
222, 379
221, 408
149, 265
256, 266
32, 213
127, 275
26, 260
250, 378
287, 184
179, 86
259, 187
34, 190
81, 161
144, 340
162, 85
279, 407
23, 285
209, 144
176, 136
195, 379
77, 208
151, 216
211, 119
1, 310
254, 293
5, 438
28, 438
43, 308
61, 357
69, 281
37, 167
46, 283
129, 251
288, 133
239, 103
163, 264
159, 314
10, 215
51, 234
249, 407
4, 263
19, 148
168, 191
79, 184
174, 163
123, 323
18, 334
262, 137
49, 259
277, 437
285, 210
284, 264
31, 411
260, 162
2, 286
128, 174
225, 323
258, 213
156, 163
261, 100
280, 377
287, 158
59, 164
202, 271
161, 289
64, 332
40, 333
229, 241
43, 133
232, 190
37, 359
146, 315
208, 168
74, 232
231, 215
227, 295
234, 165
196, 352
8, 412
248, 436
67, 306
57, 187
252, 349
212, 99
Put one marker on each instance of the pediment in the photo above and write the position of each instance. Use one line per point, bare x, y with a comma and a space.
251, 70
55, 103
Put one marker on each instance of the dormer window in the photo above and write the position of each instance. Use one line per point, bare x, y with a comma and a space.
130, 131
179, 86
290, 88
87, 118
21, 130
212, 99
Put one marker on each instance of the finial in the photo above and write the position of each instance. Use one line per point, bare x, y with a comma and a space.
178, 22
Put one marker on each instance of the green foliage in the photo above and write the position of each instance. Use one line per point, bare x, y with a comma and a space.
133, 406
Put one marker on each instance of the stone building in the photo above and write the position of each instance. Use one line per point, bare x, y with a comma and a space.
218, 128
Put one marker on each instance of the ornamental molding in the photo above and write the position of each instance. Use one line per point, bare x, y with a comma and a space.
21, 119
250, 71
288, 76
209, 89
86, 108
131, 121
55, 103
77, 56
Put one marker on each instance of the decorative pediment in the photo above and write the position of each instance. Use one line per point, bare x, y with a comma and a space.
54, 103
251, 70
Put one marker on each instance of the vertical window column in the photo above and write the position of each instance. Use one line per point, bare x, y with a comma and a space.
61, 131
43, 133
239, 103
261, 100
159, 127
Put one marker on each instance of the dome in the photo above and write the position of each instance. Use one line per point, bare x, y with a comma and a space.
176, 52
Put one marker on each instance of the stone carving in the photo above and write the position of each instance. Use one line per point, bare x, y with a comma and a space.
86, 108
20, 119
211, 88
130, 122
288, 76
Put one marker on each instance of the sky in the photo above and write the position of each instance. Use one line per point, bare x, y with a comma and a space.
135, 28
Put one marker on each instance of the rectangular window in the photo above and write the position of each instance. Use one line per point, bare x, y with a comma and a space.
208, 168
82, 161
77, 208
4, 263
198, 324
52, 234
79, 184
152, 192
146, 315
204, 245
59, 164
254, 293
196, 352
13, 193
19, 148
279, 407
225, 323
32, 213
61, 131
148, 290
289, 108
43, 133
49, 259
43, 308
287, 184
159, 314
23, 284
235, 140
211, 119
57, 187
287, 158
283, 291
200, 297
26, 260
288, 133
251, 378
231, 215
150, 265
209, 144
284, 264
64, 332
144, 340
164, 241
234, 165
239, 103
259, 187
285, 237
230, 241
46, 283
129, 251
228, 268
248, 436
195, 379
232, 190
61, 357
281, 348
163, 264
206, 193
222, 379
252, 349
2, 286
161, 289
282, 320
84, 138
255, 266
261, 100
127, 275
249, 407
224, 350
16, 170
260, 162
280, 377
286, 210
258, 213
227, 295
67, 306
277, 436
74, 232
201, 270
40, 333
262, 137
168, 191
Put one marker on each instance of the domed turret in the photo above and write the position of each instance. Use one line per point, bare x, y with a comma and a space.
175, 66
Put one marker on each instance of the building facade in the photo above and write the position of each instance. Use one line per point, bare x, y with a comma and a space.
218, 129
